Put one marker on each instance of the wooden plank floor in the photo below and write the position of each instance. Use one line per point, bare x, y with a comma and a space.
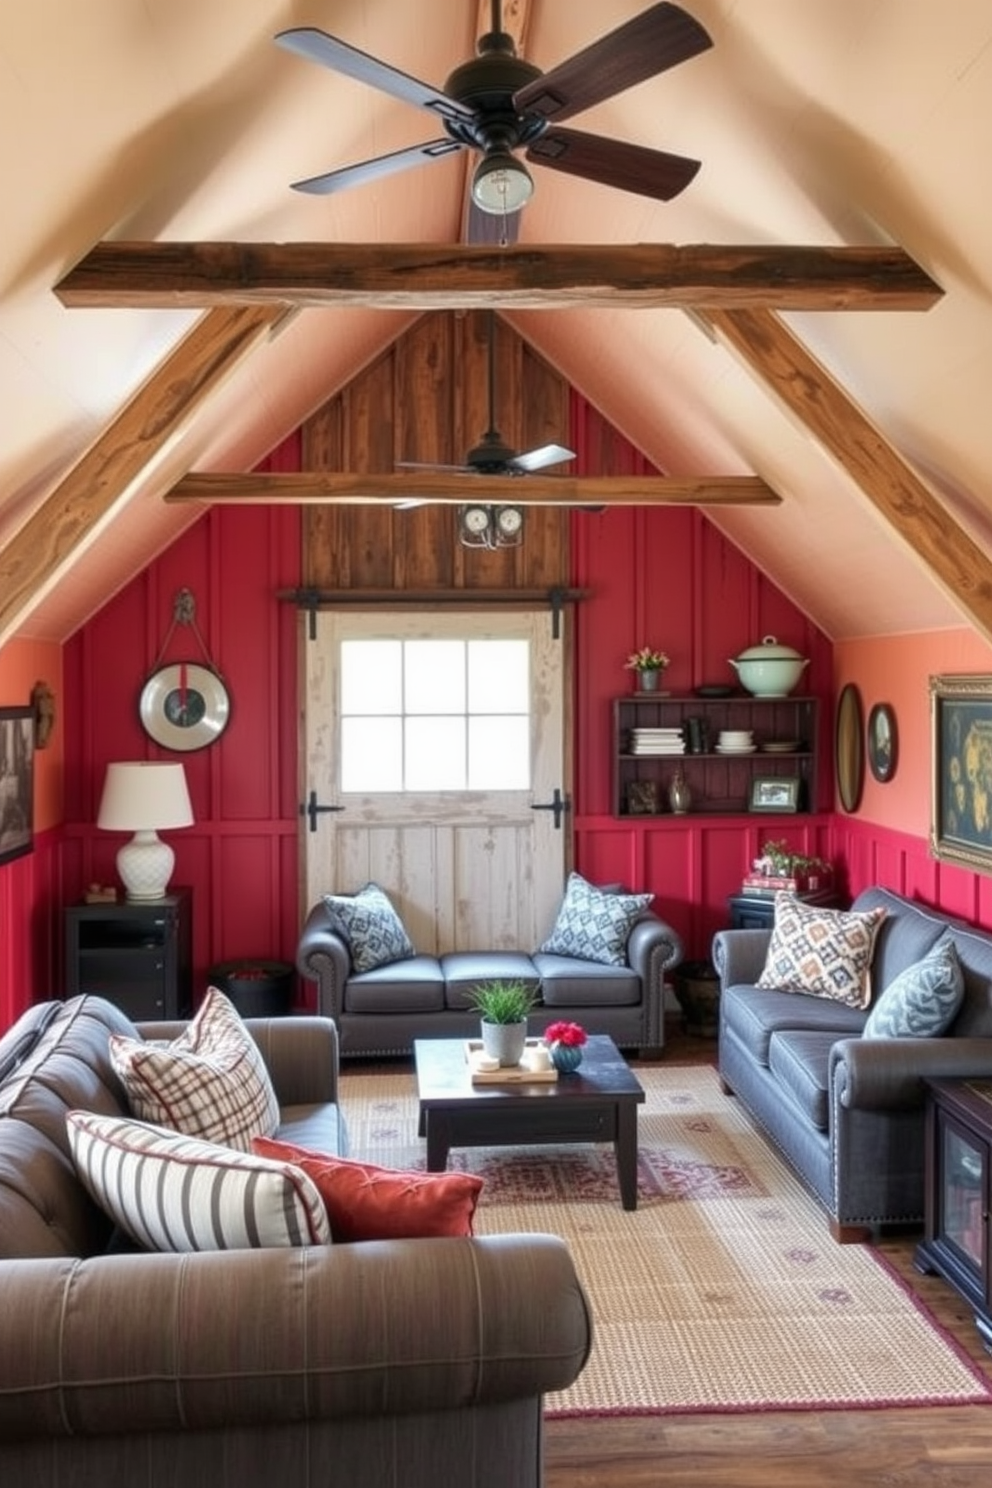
947, 1447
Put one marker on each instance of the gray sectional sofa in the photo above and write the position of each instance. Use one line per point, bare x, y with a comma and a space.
847, 1111
381, 1012
369, 1364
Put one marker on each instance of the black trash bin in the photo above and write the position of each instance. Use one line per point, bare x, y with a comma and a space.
258, 989
697, 988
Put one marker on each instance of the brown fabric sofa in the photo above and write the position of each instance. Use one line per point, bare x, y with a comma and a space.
416, 1362
381, 1012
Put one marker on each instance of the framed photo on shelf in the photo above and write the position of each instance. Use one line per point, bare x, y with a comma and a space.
775, 793
961, 762
16, 782
642, 798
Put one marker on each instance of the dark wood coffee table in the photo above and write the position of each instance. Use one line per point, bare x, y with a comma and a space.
598, 1103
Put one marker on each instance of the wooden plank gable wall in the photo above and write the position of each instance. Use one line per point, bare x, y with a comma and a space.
426, 399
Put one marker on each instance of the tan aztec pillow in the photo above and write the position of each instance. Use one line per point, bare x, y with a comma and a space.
211, 1082
175, 1193
823, 952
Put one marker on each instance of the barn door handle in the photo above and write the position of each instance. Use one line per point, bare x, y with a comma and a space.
313, 809
557, 804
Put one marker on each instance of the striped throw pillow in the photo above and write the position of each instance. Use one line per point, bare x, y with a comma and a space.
175, 1193
211, 1082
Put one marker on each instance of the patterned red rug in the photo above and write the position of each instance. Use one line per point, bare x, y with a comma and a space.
723, 1291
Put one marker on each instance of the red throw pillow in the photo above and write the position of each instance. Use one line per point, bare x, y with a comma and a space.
365, 1202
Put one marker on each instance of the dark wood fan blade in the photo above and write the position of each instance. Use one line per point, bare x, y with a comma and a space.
614, 163
433, 465
374, 170
328, 51
540, 459
652, 42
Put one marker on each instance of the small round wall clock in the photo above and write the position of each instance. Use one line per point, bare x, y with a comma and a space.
184, 706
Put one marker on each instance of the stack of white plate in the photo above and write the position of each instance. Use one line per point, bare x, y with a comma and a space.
735, 741
657, 741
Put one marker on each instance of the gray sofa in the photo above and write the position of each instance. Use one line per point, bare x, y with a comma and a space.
417, 1362
848, 1112
381, 1012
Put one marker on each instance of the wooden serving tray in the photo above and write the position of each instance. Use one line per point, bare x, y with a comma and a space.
517, 1074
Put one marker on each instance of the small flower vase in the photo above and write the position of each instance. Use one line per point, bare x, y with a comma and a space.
566, 1057
679, 794
647, 681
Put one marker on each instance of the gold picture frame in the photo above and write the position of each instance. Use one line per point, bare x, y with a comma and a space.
961, 762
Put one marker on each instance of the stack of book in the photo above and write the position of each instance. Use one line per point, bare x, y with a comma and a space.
769, 884
657, 741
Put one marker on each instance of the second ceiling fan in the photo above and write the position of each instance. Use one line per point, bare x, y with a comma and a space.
498, 104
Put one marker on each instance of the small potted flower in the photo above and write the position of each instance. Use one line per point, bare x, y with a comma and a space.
564, 1041
648, 665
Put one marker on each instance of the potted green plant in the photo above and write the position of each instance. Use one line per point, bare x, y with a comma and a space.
647, 664
806, 872
503, 1006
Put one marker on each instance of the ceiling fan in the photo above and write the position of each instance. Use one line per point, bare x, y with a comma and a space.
498, 104
492, 455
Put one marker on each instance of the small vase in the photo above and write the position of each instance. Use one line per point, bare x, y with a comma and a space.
647, 681
679, 794
566, 1057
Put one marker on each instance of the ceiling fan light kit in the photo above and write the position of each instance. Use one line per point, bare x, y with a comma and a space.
501, 185
496, 103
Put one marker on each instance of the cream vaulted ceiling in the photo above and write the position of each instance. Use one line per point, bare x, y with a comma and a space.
834, 124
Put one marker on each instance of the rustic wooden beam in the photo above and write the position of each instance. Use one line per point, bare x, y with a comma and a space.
39, 553
430, 277
309, 488
913, 512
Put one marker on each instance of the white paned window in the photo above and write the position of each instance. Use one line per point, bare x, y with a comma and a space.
435, 715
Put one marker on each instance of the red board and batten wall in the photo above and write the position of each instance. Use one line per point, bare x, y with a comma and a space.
660, 576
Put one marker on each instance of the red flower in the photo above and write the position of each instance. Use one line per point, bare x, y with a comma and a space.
565, 1033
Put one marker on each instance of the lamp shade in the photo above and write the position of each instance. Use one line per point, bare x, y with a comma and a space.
141, 796
501, 184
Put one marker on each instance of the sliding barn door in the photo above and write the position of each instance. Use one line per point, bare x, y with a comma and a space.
435, 768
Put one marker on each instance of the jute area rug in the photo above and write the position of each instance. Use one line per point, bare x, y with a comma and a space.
723, 1291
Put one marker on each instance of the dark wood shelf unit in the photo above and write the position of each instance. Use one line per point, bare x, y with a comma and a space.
138, 956
719, 783
956, 1243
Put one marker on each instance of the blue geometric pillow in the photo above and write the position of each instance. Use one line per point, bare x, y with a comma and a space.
593, 925
371, 926
923, 1000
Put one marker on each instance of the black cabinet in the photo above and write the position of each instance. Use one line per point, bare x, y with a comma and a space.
958, 1192
137, 955
757, 911
785, 732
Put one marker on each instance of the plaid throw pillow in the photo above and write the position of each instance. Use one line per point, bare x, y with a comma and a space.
170, 1192
823, 952
594, 925
371, 926
211, 1082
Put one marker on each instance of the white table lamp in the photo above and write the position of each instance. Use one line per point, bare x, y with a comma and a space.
143, 797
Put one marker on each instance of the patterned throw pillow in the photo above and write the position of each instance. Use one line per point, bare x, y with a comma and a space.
371, 926
921, 1002
823, 952
593, 925
367, 1202
211, 1082
170, 1192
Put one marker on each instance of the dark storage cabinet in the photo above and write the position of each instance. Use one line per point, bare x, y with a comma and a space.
956, 1243
138, 956
757, 911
